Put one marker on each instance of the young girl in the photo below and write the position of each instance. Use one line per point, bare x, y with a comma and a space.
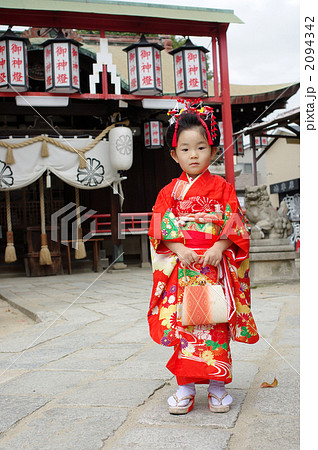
197, 224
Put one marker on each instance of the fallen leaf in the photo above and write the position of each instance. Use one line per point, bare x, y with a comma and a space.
267, 385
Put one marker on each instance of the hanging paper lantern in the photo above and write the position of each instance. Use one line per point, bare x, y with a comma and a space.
238, 145
153, 134
190, 70
121, 148
61, 64
261, 141
13, 63
144, 67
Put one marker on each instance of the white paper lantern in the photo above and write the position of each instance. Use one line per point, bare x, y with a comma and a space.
153, 134
190, 70
238, 147
13, 63
61, 64
144, 67
121, 148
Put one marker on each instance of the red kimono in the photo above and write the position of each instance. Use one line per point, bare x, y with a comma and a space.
198, 213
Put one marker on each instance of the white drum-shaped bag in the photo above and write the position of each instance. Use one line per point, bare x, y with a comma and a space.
121, 148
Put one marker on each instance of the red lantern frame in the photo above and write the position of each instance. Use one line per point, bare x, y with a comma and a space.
152, 67
67, 50
190, 70
11, 77
152, 140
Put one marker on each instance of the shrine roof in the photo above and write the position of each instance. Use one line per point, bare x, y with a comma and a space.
282, 119
167, 16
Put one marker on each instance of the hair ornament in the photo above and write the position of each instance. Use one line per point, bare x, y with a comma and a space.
194, 107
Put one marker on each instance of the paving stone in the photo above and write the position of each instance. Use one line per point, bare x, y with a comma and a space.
243, 374
98, 364
5, 355
137, 334
287, 358
284, 399
149, 363
119, 312
43, 382
289, 337
35, 335
265, 310
134, 370
275, 432
80, 315
89, 360
249, 352
114, 393
293, 321
266, 330
34, 358
13, 409
118, 352
164, 438
157, 412
68, 428
8, 374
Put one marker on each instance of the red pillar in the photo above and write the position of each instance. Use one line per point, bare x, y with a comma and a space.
215, 67
226, 107
104, 73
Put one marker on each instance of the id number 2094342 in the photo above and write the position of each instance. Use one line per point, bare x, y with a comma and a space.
309, 43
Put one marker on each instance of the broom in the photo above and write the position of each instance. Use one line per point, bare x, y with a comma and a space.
45, 255
10, 254
80, 251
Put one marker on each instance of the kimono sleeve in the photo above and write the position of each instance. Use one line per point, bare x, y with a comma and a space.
164, 224
234, 226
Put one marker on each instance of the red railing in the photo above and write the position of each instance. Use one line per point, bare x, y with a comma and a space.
128, 223
134, 223
102, 224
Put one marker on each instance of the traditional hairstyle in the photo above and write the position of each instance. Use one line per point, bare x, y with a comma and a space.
191, 117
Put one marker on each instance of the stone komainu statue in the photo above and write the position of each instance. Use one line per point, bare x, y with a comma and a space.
266, 222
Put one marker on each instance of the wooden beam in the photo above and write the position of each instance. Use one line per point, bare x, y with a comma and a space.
125, 97
108, 22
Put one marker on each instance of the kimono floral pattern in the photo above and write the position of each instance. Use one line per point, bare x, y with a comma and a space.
201, 352
170, 229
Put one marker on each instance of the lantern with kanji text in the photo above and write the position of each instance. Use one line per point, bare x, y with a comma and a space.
190, 70
153, 134
238, 145
13, 62
144, 67
61, 64
260, 141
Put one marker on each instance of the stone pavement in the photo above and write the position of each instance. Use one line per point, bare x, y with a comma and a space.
86, 375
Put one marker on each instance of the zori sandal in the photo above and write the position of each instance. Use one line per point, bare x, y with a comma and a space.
182, 409
218, 408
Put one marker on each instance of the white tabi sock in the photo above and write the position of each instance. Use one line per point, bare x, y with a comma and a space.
217, 388
183, 391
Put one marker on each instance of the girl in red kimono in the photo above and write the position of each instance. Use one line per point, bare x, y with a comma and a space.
197, 224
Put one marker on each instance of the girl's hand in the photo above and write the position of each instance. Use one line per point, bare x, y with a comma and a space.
212, 256
187, 256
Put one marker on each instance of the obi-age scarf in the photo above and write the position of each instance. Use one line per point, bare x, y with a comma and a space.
198, 213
